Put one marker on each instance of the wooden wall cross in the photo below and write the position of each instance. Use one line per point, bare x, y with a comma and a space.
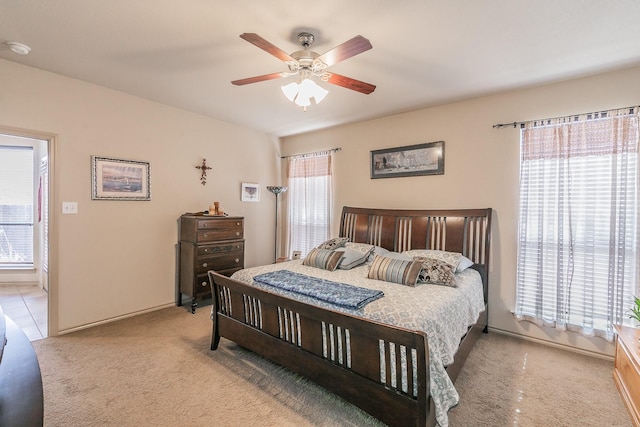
203, 168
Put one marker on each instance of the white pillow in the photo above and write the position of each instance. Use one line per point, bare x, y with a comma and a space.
464, 264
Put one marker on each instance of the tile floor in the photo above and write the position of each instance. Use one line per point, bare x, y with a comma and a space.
26, 305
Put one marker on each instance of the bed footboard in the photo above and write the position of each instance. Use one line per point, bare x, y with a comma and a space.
381, 369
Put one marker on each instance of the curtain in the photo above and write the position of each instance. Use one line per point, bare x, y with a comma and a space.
309, 203
578, 223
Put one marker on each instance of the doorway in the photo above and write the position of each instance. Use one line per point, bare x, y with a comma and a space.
24, 231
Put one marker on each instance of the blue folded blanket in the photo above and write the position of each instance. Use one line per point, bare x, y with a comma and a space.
336, 293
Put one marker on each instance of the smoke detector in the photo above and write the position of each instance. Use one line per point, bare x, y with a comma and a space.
19, 48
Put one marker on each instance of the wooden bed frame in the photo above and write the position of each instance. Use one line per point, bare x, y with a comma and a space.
290, 333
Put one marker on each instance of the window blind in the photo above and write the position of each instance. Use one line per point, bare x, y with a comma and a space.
309, 201
16, 205
578, 232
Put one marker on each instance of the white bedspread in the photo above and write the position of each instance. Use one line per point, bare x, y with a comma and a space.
443, 313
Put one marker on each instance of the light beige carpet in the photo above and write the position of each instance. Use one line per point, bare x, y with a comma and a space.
156, 369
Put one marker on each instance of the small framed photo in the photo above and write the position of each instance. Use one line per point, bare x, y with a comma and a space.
410, 160
118, 179
250, 192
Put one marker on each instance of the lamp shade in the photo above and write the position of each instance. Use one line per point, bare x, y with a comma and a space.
276, 189
290, 91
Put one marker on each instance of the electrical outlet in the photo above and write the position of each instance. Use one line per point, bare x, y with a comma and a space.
69, 207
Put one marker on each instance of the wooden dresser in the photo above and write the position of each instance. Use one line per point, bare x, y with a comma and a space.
626, 371
207, 243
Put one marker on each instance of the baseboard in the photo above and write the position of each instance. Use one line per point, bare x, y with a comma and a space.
26, 283
114, 319
552, 344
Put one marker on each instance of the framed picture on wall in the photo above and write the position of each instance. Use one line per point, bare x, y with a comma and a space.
250, 192
118, 179
409, 160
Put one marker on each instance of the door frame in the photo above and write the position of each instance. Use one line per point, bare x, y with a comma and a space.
52, 255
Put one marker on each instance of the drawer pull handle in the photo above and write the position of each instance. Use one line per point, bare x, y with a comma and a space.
204, 236
204, 284
237, 260
206, 250
237, 223
237, 233
204, 264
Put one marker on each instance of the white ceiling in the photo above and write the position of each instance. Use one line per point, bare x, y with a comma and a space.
425, 52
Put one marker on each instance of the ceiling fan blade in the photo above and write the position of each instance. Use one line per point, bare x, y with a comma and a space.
257, 79
255, 39
350, 48
352, 84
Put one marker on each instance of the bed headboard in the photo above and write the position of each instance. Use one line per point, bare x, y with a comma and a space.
467, 231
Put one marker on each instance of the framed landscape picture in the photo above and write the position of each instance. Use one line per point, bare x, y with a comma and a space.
118, 179
410, 160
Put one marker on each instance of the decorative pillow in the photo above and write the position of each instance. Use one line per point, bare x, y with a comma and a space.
366, 247
323, 258
336, 242
395, 270
360, 247
436, 272
398, 255
352, 258
377, 251
451, 258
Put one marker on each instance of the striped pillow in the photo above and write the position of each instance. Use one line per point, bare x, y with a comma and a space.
323, 258
404, 272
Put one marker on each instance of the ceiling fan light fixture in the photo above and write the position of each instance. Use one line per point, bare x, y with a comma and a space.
301, 93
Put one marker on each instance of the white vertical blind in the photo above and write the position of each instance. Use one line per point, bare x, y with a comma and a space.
578, 224
43, 211
309, 201
16, 205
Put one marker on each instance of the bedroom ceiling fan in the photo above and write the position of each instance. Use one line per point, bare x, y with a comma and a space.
307, 64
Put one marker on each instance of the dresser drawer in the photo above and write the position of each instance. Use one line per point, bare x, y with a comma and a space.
202, 286
220, 229
224, 261
217, 248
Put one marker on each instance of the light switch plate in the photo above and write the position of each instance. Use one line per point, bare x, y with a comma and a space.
69, 207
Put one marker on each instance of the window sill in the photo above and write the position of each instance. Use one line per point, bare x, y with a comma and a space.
16, 268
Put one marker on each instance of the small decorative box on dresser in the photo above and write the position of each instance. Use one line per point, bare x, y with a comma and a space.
207, 243
626, 371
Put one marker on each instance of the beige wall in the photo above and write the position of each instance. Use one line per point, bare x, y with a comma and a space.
481, 168
115, 258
